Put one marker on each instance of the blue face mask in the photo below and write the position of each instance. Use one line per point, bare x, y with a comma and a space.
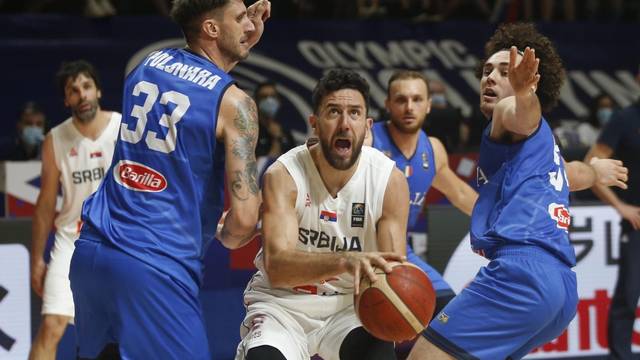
32, 135
269, 106
438, 100
604, 115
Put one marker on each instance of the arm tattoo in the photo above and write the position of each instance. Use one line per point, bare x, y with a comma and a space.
245, 182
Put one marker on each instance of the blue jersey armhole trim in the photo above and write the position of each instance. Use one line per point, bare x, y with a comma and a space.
484, 134
222, 92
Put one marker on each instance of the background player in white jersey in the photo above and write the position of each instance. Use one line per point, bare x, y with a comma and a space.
332, 212
76, 154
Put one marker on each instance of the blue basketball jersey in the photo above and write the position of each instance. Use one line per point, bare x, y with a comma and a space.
163, 196
523, 196
419, 169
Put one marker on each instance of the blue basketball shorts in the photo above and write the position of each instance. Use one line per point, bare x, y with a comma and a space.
120, 299
524, 298
441, 287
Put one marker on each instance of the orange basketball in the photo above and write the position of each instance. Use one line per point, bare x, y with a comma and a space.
399, 305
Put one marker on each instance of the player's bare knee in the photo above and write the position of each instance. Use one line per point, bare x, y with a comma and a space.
424, 349
53, 327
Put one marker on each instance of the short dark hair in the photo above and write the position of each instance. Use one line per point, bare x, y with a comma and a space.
264, 84
31, 106
408, 75
521, 35
338, 79
186, 14
71, 70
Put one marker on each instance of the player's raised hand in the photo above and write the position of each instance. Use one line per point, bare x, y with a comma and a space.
610, 172
258, 13
523, 76
363, 263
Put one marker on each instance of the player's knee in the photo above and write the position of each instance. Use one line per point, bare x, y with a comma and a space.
53, 327
424, 349
359, 344
264, 352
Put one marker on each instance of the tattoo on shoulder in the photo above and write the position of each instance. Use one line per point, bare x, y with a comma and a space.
245, 182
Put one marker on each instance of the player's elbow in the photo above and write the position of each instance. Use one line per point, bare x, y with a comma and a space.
245, 220
273, 269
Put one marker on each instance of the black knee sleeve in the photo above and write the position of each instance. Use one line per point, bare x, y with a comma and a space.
359, 344
264, 352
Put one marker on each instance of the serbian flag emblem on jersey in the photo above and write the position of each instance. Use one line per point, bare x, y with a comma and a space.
328, 216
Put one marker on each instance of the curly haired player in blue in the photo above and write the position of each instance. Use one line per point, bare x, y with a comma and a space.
527, 294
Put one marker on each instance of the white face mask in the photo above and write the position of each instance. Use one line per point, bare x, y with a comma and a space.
438, 100
604, 114
32, 135
269, 106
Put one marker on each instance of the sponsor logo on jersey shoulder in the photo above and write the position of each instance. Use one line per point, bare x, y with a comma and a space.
560, 215
138, 177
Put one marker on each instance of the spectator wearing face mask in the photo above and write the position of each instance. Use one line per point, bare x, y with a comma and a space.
601, 110
273, 138
444, 121
30, 133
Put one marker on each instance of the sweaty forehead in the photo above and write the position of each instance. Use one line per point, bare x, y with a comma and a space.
79, 79
408, 87
501, 57
346, 97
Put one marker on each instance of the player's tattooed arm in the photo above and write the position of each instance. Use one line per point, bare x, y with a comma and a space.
238, 130
244, 182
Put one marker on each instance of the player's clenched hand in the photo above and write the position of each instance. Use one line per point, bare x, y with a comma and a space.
524, 76
362, 264
610, 172
38, 272
260, 10
258, 13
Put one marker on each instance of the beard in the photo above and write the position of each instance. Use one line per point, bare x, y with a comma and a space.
231, 49
408, 129
88, 115
335, 160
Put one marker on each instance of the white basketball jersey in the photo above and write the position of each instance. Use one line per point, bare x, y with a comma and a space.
82, 163
326, 224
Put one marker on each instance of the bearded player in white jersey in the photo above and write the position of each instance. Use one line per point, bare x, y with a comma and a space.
76, 155
332, 212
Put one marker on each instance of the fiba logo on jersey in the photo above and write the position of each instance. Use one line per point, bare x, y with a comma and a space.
138, 177
560, 215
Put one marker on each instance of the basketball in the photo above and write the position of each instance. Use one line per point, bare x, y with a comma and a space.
399, 305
